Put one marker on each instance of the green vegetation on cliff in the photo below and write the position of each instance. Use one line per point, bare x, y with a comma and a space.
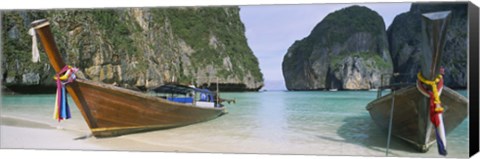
136, 47
341, 24
17, 45
378, 62
195, 29
111, 23
348, 49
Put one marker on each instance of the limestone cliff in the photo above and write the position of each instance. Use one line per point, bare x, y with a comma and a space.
348, 49
137, 48
405, 38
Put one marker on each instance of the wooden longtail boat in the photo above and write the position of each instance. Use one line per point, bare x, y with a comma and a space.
411, 109
113, 111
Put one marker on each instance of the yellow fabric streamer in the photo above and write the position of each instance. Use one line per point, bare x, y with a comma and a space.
64, 76
433, 84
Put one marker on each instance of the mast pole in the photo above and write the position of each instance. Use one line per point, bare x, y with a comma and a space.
218, 101
434, 34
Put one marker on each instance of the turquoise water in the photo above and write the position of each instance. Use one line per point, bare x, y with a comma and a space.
306, 117
334, 123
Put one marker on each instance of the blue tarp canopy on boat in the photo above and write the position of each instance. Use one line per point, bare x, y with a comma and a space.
179, 89
181, 99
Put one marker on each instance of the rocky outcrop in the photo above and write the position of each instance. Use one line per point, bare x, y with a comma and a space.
348, 50
404, 36
135, 48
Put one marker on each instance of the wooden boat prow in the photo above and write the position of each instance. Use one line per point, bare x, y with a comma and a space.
410, 118
409, 123
113, 111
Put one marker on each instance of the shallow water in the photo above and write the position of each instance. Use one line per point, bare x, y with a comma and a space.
323, 123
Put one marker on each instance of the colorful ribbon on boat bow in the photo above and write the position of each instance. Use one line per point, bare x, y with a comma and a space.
436, 109
65, 76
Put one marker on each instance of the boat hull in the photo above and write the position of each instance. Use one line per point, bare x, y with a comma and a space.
411, 121
113, 111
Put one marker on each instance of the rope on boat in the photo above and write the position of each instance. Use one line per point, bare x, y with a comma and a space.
65, 76
436, 109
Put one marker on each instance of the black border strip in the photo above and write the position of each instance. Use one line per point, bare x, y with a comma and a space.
473, 78
1, 67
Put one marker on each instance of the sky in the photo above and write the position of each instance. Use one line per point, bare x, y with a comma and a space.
272, 29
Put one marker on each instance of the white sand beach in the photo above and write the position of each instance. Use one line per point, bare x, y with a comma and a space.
18, 133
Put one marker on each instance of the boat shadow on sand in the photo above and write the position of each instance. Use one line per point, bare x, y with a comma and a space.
361, 130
